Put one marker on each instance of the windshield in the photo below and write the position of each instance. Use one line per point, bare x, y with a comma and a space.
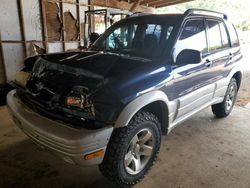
136, 39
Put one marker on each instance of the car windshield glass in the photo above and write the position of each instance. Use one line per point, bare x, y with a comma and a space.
146, 40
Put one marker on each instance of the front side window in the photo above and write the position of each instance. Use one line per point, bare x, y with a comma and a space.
193, 37
136, 39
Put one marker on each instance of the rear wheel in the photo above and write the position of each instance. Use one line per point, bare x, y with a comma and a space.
132, 150
224, 109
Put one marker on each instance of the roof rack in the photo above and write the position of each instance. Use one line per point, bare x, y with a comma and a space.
205, 12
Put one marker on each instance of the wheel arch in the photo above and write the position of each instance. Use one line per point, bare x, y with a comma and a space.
238, 77
155, 102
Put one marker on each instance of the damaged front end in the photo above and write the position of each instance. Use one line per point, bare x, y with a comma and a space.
60, 92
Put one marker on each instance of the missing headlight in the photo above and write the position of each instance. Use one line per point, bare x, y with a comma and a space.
78, 98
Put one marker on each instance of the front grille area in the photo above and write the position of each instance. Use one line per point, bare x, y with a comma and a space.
44, 94
56, 113
42, 91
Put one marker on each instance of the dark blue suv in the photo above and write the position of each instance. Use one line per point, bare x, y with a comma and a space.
145, 75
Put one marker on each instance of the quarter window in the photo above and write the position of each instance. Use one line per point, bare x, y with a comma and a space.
193, 37
233, 35
224, 36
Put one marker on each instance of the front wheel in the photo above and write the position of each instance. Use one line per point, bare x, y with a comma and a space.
132, 150
224, 109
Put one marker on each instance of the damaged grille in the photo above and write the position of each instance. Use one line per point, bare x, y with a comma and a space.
55, 113
42, 93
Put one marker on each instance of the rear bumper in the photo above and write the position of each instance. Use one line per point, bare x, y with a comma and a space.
66, 142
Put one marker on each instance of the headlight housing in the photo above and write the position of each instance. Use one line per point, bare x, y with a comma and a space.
78, 98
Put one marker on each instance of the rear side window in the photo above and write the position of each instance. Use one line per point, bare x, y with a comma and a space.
218, 38
233, 35
193, 37
215, 42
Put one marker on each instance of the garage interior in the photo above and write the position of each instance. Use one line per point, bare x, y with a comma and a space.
202, 152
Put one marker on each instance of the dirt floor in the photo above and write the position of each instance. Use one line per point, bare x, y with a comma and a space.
202, 152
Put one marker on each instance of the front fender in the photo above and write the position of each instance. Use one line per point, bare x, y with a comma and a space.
134, 106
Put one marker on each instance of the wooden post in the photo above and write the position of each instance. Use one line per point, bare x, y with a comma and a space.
2, 61
63, 25
22, 27
79, 22
44, 24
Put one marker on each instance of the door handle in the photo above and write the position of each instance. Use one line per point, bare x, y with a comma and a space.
230, 56
208, 63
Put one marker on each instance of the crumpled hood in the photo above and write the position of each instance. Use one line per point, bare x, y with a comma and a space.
91, 69
98, 63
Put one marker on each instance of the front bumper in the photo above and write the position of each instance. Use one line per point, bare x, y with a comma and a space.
66, 142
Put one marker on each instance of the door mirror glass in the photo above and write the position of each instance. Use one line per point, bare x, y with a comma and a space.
188, 56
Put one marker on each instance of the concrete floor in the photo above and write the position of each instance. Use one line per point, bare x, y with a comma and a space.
202, 152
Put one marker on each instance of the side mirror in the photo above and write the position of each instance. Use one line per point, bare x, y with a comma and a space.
189, 56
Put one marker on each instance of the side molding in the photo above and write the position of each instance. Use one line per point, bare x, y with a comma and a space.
134, 106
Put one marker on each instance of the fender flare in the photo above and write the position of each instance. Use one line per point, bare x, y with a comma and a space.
134, 106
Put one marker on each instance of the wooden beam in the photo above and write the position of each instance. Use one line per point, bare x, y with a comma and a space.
68, 2
143, 2
21, 23
122, 5
163, 3
135, 5
33, 41
174, 3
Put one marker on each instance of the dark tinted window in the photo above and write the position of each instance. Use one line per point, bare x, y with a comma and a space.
224, 36
147, 40
154, 29
233, 35
193, 37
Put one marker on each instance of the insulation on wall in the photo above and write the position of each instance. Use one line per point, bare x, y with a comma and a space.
71, 26
13, 53
53, 21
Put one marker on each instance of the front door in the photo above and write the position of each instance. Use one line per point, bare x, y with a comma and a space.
192, 82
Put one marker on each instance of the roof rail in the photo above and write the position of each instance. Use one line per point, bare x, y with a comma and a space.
206, 12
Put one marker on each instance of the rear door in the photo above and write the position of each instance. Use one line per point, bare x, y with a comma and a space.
219, 49
220, 54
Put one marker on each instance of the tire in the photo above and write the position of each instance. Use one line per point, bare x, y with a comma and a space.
223, 109
129, 142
